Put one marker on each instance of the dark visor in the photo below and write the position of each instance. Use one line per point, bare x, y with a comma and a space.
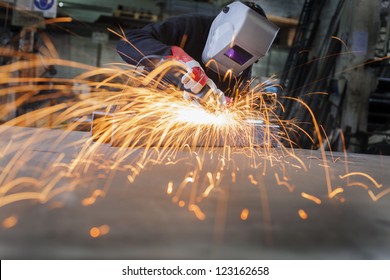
238, 54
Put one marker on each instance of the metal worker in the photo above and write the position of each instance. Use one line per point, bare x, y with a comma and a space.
217, 52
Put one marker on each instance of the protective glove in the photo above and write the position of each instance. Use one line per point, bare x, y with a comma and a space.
214, 93
195, 78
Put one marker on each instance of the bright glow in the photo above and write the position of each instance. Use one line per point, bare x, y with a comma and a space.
302, 214
244, 214
170, 187
197, 115
96, 232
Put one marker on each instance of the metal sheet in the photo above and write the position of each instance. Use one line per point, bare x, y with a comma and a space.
257, 211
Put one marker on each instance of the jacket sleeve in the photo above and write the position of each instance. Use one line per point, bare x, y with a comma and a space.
152, 40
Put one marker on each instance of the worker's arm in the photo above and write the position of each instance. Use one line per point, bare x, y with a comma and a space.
167, 40
156, 39
140, 44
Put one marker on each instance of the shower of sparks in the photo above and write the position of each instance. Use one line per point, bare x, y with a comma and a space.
148, 123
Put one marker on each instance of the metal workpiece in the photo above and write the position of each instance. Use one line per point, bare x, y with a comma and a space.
64, 196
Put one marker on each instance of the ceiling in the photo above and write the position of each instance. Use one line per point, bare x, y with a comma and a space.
90, 10
98, 15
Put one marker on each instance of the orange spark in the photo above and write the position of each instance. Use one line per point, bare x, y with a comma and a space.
182, 203
377, 185
358, 184
96, 232
210, 186
252, 180
244, 214
130, 178
378, 196
284, 183
10, 222
198, 213
302, 214
92, 199
311, 197
320, 140
59, 19
233, 177
170, 187
336, 192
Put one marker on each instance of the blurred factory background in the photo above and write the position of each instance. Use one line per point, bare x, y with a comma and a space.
335, 48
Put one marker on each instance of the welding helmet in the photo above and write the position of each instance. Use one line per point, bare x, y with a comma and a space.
238, 37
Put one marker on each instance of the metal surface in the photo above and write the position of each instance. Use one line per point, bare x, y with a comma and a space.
145, 222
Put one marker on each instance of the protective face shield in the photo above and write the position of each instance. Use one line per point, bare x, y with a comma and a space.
238, 37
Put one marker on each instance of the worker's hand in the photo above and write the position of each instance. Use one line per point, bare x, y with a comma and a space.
216, 94
198, 87
195, 78
210, 96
